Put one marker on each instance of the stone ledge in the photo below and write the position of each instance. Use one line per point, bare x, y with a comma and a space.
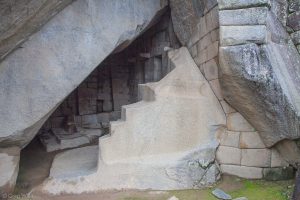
242, 171
235, 35
235, 4
248, 16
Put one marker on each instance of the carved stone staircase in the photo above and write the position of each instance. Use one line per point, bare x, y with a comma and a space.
165, 141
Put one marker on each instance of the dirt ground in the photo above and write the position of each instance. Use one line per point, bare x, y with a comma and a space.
35, 165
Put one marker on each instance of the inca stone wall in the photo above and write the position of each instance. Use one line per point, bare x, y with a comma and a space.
241, 151
244, 49
115, 81
257, 77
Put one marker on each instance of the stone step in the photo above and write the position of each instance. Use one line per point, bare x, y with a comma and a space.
75, 162
58, 139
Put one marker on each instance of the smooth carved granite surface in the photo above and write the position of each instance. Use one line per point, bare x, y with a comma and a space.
166, 141
20, 18
54, 61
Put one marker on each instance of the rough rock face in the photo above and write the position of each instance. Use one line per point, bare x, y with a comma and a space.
9, 167
20, 18
185, 14
36, 78
260, 72
166, 141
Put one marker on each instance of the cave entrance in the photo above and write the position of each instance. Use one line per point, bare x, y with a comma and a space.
85, 114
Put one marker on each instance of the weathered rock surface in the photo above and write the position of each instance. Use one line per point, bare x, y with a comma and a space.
36, 78
9, 167
166, 141
20, 18
251, 85
278, 174
234, 4
185, 17
263, 85
294, 21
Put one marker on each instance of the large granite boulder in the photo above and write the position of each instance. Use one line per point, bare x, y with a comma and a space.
20, 18
260, 77
34, 79
186, 15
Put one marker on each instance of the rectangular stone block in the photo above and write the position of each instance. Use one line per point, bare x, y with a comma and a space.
251, 140
211, 70
256, 157
236, 122
103, 117
230, 139
194, 38
243, 171
234, 35
204, 42
107, 106
213, 50
202, 27
89, 119
229, 155
153, 69
214, 35
234, 4
201, 57
212, 19
248, 16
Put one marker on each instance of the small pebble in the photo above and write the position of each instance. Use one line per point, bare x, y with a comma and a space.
220, 194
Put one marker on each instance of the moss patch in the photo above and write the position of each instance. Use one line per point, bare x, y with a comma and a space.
236, 187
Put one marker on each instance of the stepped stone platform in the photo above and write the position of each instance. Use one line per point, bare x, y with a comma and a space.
59, 139
166, 141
